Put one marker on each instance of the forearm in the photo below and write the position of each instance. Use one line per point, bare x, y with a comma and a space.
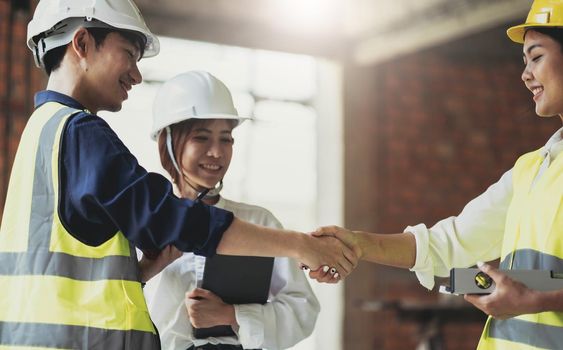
397, 249
549, 301
244, 238
151, 267
147, 272
230, 317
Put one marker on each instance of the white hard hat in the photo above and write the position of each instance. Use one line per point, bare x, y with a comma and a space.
195, 94
55, 21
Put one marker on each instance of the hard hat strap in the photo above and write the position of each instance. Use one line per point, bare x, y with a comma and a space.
170, 150
214, 192
37, 56
206, 193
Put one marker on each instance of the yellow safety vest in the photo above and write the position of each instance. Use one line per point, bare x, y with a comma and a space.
533, 239
56, 292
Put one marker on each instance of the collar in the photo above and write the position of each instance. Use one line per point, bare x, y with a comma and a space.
45, 96
220, 203
554, 145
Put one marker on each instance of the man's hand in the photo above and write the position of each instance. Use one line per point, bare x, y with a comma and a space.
329, 274
207, 310
510, 298
151, 266
328, 253
348, 237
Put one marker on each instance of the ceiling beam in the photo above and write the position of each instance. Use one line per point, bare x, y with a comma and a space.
244, 34
445, 22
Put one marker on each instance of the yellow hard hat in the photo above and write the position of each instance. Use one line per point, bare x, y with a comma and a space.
544, 13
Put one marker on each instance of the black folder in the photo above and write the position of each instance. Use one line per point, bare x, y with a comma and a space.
236, 280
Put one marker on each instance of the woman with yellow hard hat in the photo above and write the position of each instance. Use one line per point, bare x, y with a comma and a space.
519, 219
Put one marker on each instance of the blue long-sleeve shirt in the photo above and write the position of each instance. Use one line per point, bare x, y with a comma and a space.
103, 189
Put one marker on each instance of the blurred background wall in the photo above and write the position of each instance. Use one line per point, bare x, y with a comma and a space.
416, 106
18, 82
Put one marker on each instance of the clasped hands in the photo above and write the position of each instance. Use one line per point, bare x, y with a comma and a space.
331, 254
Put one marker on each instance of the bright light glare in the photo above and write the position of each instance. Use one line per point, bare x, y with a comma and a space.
312, 16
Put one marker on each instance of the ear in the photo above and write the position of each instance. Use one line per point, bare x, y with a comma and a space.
81, 45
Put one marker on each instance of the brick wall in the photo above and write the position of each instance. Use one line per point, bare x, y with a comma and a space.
425, 134
19, 79
446, 131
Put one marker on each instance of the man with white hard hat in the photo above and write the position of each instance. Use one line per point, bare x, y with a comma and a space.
78, 202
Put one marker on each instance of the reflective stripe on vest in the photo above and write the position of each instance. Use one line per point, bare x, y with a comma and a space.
58, 292
529, 259
54, 336
524, 332
533, 239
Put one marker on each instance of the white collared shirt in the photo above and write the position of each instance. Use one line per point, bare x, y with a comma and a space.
287, 318
476, 234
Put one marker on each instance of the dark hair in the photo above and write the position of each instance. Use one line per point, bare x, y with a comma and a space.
180, 132
53, 58
556, 33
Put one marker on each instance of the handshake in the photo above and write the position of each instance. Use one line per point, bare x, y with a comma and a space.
330, 253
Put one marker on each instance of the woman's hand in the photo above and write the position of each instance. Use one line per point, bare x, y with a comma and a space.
150, 267
328, 255
326, 274
207, 310
510, 298
348, 237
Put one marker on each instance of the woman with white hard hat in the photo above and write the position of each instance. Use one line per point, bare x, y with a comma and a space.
193, 120
519, 219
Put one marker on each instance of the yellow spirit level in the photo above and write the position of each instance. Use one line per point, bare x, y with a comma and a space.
475, 281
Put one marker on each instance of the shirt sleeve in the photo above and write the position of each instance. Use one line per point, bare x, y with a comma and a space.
460, 241
103, 189
287, 318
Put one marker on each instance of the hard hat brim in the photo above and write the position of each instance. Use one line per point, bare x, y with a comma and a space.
241, 119
517, 33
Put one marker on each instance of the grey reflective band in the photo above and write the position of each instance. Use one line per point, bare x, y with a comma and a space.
520, 331
64, 265
529, 259
38, 260
43, 195
534, 334
58, 336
